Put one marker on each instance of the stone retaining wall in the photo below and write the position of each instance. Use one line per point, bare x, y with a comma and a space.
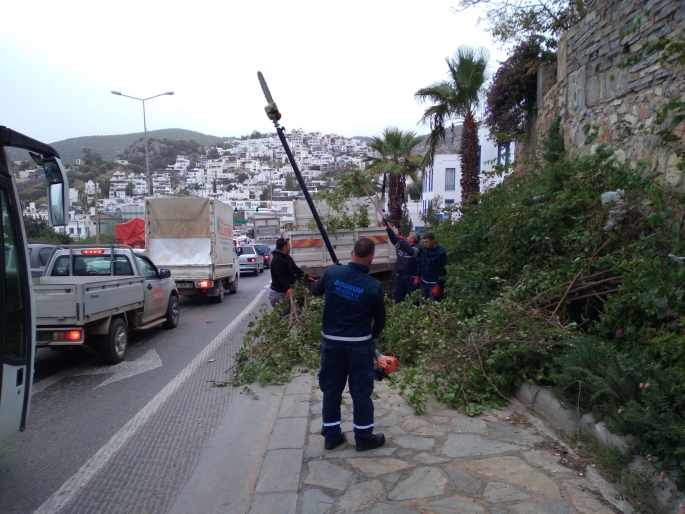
590, 87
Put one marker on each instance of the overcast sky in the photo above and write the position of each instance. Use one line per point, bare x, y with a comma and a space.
350, 67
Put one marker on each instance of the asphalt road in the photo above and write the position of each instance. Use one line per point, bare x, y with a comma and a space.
125, 438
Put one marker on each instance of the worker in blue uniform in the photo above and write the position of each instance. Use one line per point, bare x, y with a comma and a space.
406, 267
353, 316
432, 273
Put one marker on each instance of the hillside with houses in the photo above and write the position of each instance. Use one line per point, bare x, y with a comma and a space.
245, 173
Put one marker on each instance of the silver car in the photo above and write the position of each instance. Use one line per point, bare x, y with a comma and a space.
250, 259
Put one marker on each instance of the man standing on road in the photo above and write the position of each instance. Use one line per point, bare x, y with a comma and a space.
431, 273
406, 267
284, 273
353, 316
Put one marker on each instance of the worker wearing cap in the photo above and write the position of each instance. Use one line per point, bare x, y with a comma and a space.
284, 273
407, 265
353, 316
431, 273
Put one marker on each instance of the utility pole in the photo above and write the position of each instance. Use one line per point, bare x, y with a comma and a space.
97, 219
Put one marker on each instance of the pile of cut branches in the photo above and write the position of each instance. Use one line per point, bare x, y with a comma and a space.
580, 288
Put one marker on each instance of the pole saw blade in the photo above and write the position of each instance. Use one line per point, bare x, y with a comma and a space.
271, 108
265, 88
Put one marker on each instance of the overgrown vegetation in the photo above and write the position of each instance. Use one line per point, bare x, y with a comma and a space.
512, 95
538, 290
515, 21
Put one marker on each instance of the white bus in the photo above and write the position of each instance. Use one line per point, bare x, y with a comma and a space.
17, 317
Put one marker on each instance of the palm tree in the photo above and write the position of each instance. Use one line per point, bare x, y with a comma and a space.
458, 98
396, 162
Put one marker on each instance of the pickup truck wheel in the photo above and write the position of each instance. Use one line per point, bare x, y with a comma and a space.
234, 289
172, 313
220, 297
113, 347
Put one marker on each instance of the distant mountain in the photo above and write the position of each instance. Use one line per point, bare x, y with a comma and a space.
110, 146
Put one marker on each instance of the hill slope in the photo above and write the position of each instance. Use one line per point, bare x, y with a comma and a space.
110, 146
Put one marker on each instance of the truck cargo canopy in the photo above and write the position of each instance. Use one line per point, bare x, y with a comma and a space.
131, 233
179, 218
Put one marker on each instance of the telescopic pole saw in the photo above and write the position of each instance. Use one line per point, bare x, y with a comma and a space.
274, 115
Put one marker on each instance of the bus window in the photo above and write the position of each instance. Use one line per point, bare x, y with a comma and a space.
11, 284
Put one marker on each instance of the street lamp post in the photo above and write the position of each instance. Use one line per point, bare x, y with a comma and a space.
147, 165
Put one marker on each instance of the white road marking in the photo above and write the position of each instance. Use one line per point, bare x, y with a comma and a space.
146, 362
52, 379
126, 369
77, 481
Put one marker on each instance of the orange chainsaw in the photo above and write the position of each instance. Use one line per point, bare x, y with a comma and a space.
385, 365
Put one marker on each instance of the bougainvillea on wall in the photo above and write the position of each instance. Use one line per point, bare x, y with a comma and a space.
512, 94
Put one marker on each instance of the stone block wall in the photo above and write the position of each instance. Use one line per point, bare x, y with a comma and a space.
590, 87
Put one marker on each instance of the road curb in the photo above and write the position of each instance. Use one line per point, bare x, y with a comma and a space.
278, 485
542, 401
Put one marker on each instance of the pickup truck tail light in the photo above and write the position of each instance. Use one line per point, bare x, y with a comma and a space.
92, 252
251, 259
203, 284
69, 335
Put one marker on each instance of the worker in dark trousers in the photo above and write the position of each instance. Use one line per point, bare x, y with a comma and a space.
284, 273
431, 273
406, 267
353, 316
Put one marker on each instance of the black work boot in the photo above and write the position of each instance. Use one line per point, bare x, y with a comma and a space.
333, 445
376, 441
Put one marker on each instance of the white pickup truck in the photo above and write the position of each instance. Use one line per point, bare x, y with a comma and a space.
92, 295
310, 254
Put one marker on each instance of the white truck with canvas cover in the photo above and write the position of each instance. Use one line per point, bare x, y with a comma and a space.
92, 295
267, 229
193, 237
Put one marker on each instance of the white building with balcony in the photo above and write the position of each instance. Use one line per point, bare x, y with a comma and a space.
443, 178
161, 184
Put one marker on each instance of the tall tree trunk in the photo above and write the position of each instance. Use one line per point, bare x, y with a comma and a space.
395, 200
469, 161
385, 176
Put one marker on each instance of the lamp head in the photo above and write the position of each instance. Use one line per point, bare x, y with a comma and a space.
116, 93
169, 93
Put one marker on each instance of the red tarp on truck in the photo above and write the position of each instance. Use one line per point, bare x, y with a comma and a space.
131, 233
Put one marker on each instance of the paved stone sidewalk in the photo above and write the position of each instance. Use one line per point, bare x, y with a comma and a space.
439, 462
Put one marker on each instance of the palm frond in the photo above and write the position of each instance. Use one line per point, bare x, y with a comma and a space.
457, 98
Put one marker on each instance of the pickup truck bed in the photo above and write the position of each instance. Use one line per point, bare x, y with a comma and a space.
70, 300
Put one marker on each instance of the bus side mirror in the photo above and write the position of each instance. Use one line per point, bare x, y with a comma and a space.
58, 191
